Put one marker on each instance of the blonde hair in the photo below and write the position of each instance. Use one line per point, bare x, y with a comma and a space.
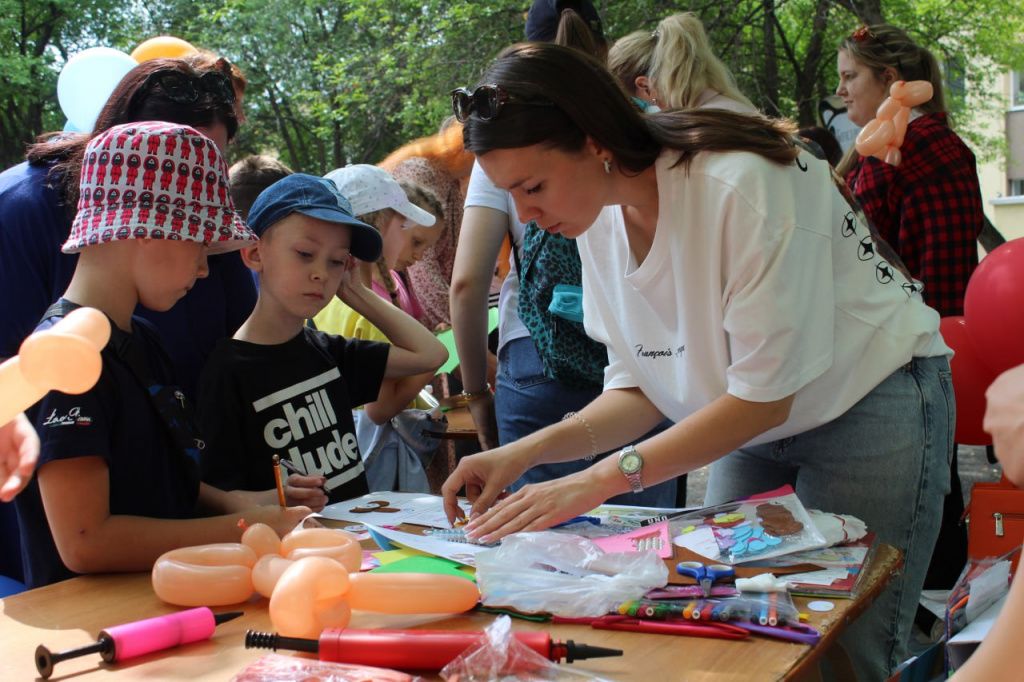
677, 59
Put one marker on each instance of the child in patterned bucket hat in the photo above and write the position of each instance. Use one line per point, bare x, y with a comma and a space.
118, 474
155, 180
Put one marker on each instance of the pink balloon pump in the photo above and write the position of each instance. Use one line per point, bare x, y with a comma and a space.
142, 637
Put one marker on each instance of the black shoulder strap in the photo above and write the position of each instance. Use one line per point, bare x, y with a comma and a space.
174, 410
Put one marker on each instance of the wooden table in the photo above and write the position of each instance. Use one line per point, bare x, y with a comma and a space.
69, 614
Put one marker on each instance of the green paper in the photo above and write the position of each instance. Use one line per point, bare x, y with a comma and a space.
424, 564
447, 337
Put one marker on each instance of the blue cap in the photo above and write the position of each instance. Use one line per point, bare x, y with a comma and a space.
317, 198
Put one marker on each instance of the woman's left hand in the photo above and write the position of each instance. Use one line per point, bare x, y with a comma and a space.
538, 506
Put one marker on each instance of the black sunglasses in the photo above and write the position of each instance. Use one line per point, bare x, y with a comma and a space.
187, 89
485, 101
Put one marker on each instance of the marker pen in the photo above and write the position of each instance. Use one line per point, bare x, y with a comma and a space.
413, 649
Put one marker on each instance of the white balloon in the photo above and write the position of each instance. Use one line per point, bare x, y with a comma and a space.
86, 82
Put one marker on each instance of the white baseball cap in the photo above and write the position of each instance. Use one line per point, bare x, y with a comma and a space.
369, 188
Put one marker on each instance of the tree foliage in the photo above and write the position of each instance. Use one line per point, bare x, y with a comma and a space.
350, 80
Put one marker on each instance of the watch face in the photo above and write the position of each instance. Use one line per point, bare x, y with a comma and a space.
630, 462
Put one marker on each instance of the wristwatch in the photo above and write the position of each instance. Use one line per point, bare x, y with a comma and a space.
630, 464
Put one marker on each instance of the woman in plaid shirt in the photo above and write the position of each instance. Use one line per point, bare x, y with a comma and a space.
929, 207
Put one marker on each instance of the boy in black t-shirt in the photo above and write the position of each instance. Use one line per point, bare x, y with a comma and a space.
279, 387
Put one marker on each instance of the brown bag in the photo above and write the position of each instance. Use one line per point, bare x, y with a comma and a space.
995, 520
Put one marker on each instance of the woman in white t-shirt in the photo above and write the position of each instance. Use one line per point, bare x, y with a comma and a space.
740, 295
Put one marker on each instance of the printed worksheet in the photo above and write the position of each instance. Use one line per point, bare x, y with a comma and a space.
392, 509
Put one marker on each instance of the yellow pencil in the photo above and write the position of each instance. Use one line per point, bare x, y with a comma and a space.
278, 482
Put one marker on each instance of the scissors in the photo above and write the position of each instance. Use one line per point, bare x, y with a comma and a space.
705, 575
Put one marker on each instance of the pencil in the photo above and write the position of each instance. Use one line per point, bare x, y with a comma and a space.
278, 482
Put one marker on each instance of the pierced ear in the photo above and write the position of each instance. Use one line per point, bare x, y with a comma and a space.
252, 258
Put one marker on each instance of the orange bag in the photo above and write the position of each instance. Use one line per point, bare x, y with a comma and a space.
995, 520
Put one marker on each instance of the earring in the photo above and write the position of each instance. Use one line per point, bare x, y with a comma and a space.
608, 166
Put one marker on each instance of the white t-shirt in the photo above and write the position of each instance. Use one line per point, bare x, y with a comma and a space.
761, 282
482, 192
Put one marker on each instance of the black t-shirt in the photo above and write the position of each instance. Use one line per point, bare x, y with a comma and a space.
116, 420
294, 400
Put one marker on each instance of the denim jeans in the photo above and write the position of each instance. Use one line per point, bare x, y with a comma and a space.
885, 461
527, 400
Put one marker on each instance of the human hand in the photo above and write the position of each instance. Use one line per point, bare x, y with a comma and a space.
1004, 419
536, 507
19, 450
282, 519
352, 284
306, 490
485, 476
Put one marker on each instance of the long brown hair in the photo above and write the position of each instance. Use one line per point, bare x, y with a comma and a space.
880, 47
559, 97
125, 105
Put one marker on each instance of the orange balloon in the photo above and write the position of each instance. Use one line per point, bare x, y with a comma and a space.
412, 593
897, 90
874, 136
267, 571
262, 539
888, 109
205, 575
65, 357
892, 155
326, 542
916, 93
310, 596
900, 122
167, 47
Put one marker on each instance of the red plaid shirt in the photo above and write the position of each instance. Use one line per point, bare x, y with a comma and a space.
928, 208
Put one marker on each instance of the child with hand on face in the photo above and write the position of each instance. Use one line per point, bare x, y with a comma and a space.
117, 483
280, 387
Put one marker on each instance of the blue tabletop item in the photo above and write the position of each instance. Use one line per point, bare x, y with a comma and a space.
705, 575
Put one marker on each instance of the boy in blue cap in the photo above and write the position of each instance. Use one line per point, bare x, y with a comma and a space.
280, 387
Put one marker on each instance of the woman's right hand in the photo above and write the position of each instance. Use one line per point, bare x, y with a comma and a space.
485, 477
306, 490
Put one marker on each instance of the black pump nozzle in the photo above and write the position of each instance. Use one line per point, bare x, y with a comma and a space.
272, 640
579, 652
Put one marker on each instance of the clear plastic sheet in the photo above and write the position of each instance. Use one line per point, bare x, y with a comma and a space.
563, 574
500, 657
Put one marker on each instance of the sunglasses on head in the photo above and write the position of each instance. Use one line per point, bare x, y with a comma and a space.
485, 101
186, 88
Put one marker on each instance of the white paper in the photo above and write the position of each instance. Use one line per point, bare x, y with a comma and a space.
824, 577
700, 540
414, 508
987, 588
963, 643
459, 552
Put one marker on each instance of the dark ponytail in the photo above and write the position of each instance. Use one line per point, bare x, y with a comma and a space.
560, 97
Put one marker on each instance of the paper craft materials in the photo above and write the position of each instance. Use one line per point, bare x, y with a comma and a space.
459, 552
413, 649
821, 606
454, 535
766, 582
648, 538
447, 338
393, 509
122, 642
425, 564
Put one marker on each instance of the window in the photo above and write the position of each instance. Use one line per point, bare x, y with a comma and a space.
1017, 89
1015, 187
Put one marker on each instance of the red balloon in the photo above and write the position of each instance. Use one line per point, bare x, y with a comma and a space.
971, 377
994, 307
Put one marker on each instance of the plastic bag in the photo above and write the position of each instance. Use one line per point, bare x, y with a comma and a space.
566, 575
500, 657
278, 668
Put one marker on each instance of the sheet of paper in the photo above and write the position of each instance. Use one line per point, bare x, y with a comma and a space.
824, 577
963, 643
987, 588
654, 537
392, 509
700, 540
459, 552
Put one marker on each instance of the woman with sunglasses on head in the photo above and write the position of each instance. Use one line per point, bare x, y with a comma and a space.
739, 296
38, 199
525, 398
673, 67
928, 208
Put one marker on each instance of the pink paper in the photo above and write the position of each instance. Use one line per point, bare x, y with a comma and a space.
654, 537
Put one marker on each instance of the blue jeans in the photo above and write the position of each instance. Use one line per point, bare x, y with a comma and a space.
527, 400
885, 461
